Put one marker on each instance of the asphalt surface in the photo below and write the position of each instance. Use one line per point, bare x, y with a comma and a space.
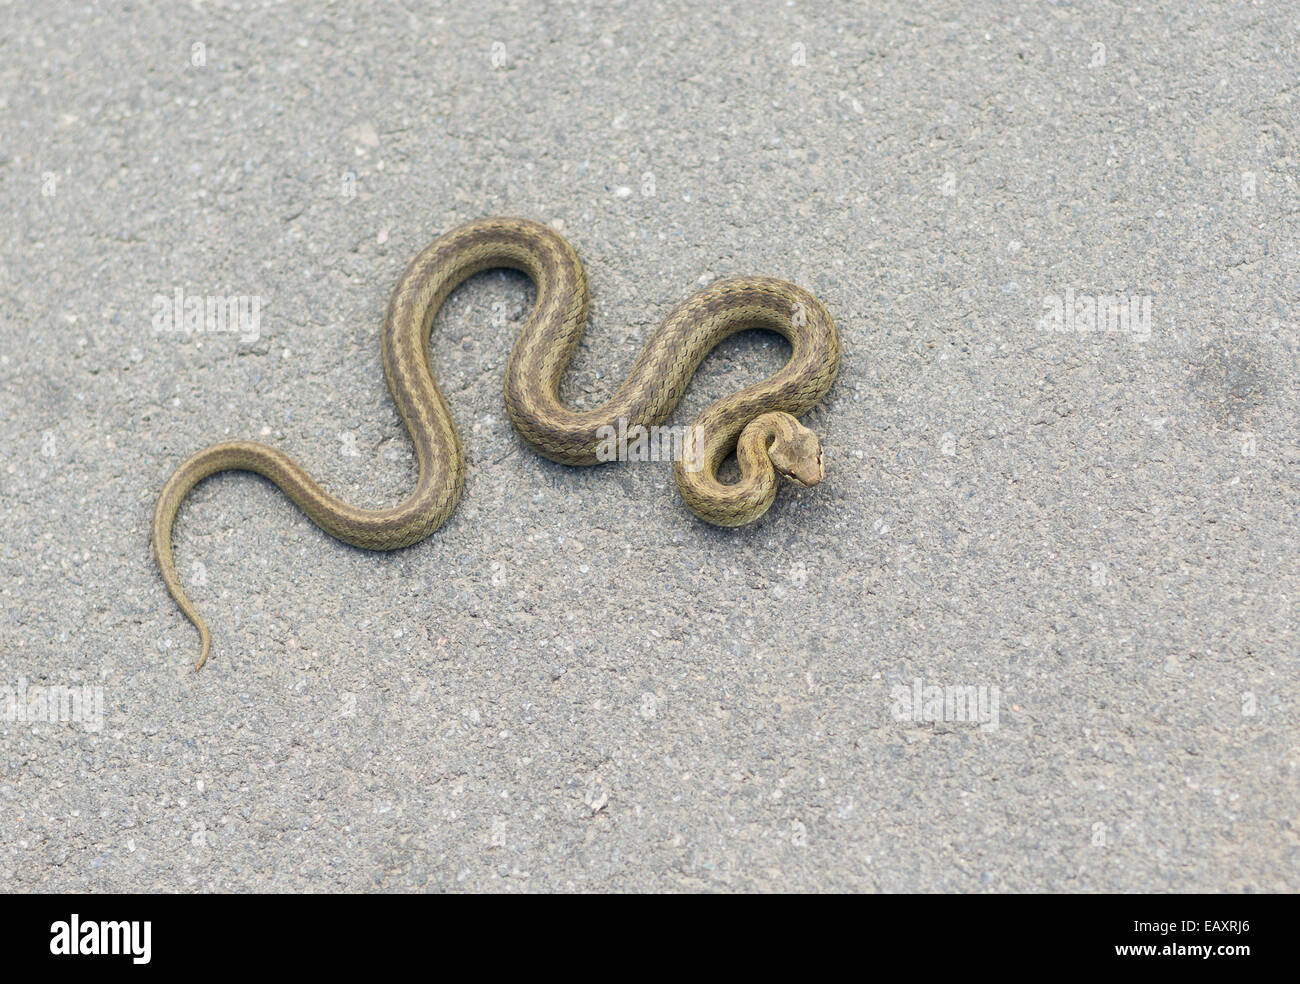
574, 685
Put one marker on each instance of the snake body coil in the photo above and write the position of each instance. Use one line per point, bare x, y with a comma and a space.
756, 423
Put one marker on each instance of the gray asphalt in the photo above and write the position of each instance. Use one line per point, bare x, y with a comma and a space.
574, 685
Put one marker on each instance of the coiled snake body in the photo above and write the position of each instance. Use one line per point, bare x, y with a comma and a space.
757, 422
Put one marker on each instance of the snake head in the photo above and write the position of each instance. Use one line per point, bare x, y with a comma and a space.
797, 453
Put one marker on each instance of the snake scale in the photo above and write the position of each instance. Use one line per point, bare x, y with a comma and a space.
757, 423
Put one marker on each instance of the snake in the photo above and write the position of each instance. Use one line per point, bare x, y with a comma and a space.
758, 423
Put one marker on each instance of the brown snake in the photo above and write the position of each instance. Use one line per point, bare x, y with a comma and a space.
757, 422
